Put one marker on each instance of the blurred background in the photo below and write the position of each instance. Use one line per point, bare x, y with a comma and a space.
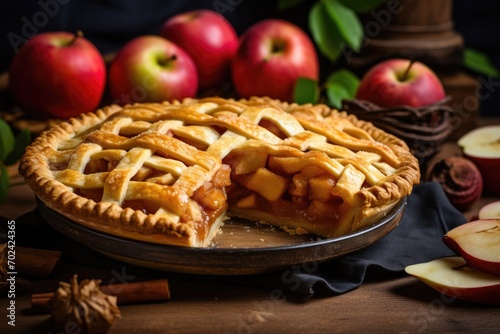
109, 24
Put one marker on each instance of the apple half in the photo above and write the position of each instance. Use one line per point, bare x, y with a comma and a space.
482, 146
490, 211
478, 242
453, 277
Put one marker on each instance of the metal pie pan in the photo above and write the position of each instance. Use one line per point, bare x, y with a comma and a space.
241, 247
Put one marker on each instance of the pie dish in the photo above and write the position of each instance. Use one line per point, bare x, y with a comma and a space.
170, 173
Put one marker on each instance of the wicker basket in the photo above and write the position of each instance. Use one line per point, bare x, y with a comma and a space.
424, 129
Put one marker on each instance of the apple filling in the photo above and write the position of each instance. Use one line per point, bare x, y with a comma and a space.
271, 188
210, 197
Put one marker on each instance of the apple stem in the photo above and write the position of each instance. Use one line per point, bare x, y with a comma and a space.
277, 47
78, 34
165, 62
407, 71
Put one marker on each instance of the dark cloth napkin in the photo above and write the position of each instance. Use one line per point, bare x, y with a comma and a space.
417, 238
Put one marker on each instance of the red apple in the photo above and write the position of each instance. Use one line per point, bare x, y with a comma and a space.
482, 146
151, 69
271, 56
490, 211
399, 82
57, 74
210, 40
452, 277
478, 242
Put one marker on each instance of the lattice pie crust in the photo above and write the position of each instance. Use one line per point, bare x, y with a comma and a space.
169, 173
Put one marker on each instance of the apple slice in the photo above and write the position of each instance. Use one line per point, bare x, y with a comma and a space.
490, 211
452, 277
479, 244
482, 146
483, 141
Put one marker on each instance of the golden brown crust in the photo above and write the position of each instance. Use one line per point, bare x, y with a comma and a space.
103, 216
307, 127
397, 185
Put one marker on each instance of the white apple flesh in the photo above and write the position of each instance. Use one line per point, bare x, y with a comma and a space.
482, 142
452, 277
482, 146
478, 242
490, 211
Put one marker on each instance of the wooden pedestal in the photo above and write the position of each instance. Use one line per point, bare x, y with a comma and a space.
462, 88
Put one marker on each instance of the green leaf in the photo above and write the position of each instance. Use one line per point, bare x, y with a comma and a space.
335, 94
362, 6
341, 84
22, 140
346, 79
324, 31
479, 62
286, 4
4, 182
6, 140
306, 91
348, 23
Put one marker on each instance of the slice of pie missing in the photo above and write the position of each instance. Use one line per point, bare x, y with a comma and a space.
170, 173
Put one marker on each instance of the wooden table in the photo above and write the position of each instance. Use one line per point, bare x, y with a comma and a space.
402, 304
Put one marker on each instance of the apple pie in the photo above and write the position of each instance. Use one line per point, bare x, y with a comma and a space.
172, 172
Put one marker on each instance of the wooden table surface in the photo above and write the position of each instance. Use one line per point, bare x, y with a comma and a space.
401, 304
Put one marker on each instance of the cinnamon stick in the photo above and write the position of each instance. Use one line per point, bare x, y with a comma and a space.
36, 262
126, 293
137, 292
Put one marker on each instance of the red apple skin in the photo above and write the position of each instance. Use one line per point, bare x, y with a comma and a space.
51, 76
481, 145
484, 266
489, 168
454, 239
484, 295
151, 69
258, 70
210, 40
384, 86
